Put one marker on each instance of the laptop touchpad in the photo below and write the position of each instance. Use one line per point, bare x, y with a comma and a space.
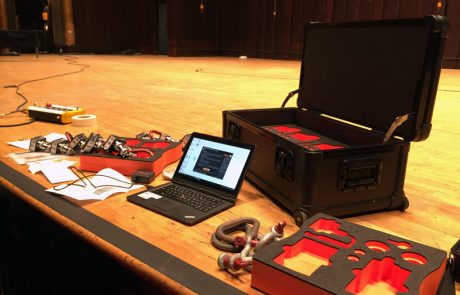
158, 201
164, 204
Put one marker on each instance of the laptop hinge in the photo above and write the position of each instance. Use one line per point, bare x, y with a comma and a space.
399, 120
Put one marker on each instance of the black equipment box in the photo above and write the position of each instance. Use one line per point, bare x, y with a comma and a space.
366, 90
455, 256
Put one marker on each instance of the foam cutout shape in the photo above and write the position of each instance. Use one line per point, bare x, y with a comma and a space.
332, 256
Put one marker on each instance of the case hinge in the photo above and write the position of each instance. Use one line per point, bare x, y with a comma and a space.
396, 123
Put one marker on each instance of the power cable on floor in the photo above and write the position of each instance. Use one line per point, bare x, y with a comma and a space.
71, 60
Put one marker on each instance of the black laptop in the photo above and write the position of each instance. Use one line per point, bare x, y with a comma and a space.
206, 182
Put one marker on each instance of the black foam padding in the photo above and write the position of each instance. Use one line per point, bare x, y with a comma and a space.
338, 275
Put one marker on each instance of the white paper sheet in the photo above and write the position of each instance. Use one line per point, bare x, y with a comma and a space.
30, 157
106, 183
54, 171
24, 144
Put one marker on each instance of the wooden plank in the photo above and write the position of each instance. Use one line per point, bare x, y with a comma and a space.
378, 9
407, 8
114, 26
390, 9
353, 9
131, 94
425, 7
366, 10
452, 50
339, 12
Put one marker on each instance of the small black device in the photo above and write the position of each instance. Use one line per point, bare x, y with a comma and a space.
143, 176
54, 113
207, 180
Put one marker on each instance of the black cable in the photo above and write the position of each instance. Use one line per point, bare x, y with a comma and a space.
19, 124
448, 90
71, 60
241, 75
82, 177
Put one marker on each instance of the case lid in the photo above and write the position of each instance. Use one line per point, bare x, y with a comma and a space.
372, 72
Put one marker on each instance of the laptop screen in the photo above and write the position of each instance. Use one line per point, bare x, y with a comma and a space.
214, 161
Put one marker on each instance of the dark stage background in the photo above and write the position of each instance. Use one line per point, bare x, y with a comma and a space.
255, 28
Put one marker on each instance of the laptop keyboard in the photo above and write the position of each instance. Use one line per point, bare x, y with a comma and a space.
195, 199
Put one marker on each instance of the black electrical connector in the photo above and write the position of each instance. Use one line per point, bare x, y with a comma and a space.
143, 176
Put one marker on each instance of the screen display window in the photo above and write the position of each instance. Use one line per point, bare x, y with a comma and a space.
215, 162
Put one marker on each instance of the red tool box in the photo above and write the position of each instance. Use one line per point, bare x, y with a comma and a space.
367, 89
164, 153
332, 256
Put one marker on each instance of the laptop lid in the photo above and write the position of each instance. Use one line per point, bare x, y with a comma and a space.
214, 165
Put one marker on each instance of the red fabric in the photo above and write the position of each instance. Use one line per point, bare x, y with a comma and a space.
144, 155
156, 145
286, 129
304, 137
379, 271
325, 146
132, 142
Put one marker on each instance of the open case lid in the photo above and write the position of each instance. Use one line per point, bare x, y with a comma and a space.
370, 73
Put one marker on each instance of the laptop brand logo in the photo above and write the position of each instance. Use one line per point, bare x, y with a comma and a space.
190, 216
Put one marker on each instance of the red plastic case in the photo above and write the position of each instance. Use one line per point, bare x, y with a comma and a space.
164, 153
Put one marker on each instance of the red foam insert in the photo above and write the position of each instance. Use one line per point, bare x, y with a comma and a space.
308, 246
400, 245
325, 146
332, 240
144, 155
414, 258
379, 271
377, 246
132, 142
328, 225
304, 137
286, 129
156, 145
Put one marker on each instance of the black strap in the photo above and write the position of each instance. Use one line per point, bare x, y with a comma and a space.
288, 97
447, 285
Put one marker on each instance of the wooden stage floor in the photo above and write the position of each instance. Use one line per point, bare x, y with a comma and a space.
182, 95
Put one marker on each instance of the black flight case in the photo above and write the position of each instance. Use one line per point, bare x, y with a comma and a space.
366, 90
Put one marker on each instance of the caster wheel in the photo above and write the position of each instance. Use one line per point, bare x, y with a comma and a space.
405, 204
299, 217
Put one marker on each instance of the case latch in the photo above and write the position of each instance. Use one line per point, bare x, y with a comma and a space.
357, 174
284, 164
233, 131
396, 123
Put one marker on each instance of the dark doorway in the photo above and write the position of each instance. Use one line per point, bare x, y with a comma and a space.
163, 28
29, 14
